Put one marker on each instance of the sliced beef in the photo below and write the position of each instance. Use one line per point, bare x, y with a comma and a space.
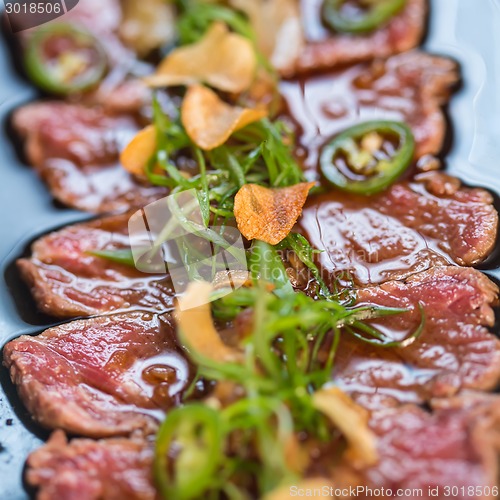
457, 445
409, 228
112, 469
67, 281
410, 87
454, 351
463, 220
107, 376
326, 49
75, 149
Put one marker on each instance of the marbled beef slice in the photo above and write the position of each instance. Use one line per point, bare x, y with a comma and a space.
84, 469
75, 150
100, 377
457, 445
68, 281
411, 227
325, 49
455, 350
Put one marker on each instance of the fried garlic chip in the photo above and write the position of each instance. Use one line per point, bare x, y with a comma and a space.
147, 24
352, 420
278, 28
222, 59
209, 121
269, 214
139, 150
197, 330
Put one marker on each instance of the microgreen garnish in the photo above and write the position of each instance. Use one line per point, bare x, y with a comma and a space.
196, 16
119, 255
270, 382
274, 379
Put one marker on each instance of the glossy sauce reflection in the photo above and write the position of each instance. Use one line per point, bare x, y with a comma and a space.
365, 243
162, 377
409, 87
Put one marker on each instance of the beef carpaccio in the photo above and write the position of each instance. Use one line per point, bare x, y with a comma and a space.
325, 50
107, 376
430, 221
75, 149
414, 353
67, 280
412, 86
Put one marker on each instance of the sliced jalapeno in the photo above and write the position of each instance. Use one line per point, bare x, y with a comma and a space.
62, 59
368, 15
188, 451
368, 158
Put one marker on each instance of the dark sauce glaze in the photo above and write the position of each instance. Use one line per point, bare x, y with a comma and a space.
361, 242
116, 373
413, 226
410, 87
162, 378
36, 214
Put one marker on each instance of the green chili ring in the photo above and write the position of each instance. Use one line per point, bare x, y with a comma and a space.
379, 14
386, 172
38, 69
198, 464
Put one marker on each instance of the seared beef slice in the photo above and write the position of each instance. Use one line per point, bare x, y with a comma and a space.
107, 376
454, 351
112, 469
75, 149
457, 445
409, 228
67, 281
326, 49
411, 87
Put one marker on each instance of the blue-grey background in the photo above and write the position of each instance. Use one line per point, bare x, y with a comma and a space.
468, 30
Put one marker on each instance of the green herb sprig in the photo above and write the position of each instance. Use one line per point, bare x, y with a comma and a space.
218, 448
274, 384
